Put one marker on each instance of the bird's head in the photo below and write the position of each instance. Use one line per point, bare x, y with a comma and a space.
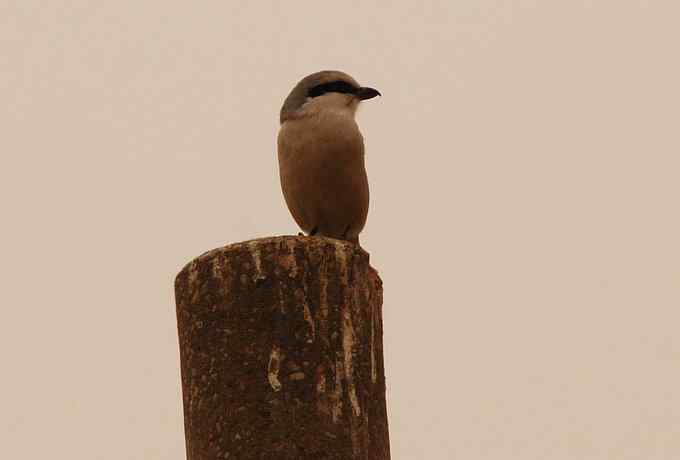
325, 90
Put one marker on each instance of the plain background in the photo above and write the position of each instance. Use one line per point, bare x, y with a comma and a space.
524, 170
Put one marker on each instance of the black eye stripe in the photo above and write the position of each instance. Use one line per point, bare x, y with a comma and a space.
332, 87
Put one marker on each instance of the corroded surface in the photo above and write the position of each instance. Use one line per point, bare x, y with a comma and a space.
281, 350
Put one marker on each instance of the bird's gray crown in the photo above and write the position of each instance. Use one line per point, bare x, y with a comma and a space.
317, 84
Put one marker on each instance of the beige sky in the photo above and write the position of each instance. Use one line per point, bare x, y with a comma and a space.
524, 176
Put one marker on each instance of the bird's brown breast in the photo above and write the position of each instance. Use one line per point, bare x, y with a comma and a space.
323, 177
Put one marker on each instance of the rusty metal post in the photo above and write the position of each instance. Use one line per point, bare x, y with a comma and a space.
281, 352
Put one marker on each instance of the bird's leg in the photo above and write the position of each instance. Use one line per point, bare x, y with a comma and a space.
314, 231
354, 240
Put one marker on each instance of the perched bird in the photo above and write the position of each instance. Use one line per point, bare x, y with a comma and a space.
321, 155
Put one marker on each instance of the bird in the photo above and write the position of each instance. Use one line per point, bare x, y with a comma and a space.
321, 155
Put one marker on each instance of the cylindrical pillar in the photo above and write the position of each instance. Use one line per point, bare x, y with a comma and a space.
281, 352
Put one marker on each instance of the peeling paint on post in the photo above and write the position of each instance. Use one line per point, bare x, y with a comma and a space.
281, 352
274, 367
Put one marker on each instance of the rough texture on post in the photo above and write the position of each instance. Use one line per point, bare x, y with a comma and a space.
281, 352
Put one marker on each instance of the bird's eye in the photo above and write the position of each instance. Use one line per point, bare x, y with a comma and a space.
332, 87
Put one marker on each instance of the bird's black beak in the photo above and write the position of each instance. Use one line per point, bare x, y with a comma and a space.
365, 92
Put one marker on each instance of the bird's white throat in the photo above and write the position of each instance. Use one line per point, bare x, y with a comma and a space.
332, 104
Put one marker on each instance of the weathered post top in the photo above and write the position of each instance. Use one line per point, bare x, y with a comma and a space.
281, 352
